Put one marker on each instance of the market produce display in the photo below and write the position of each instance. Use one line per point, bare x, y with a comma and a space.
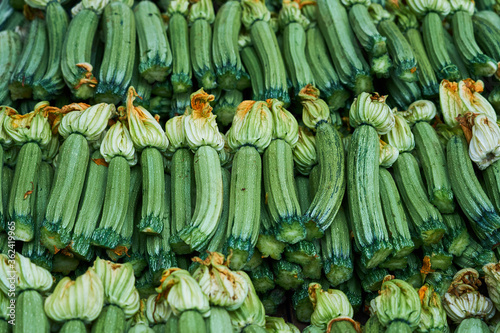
249, 166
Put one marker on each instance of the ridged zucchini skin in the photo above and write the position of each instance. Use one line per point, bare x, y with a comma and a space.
371, 279
111, 320
336, 251
5, 326
395, 216
226, 106
472, 325
34, 249
77, 49
433, 161
305, 197
226, 58
288, 275
115, 205
244, 205
52, 82
487, 36
172, 325
352, 289
7, 179
366, 31
10, 49
474, 202
21, 207
153, 182
200, 40
73, 326
439, 257
181, 60
262, 279
191, 321
254, 68
267, 244
491, 178
332, 173
456, 239
463, 71
365, 209
66, 192
346, 55
402, 93
326, 78
3, 210
90, 208
32, 62
302, 304
155, 55
115, 72
307, 255
218, 321
425, 217
434, 40
30, 316
281, 194
253, 328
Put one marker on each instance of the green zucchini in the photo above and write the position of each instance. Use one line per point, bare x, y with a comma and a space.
10, 49
441, 280
472, 199
456, 239
475, 256
7, 177
395, 216
371, 279
336, 251
262, 278
402, 93
439, 257
273, 300
115, 73
90, 207
487, 36
191, 321
218, 321
302, 304
411, 273
154, 49
179, 37
201, 17
267, 244
180, 102
346, 55
305, 197
352, 289
30, 316
226, 106
137, 255
307, 255
491, 178
252, 63
111, 319
73, 326
52, 83
32, 62
463, 72
287, 275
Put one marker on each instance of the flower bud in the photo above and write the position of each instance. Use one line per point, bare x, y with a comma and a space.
51, 150
254, 10
328, 305
462, 5
368, 109
26, 275
423, 7
252, 311
290, 13
5, 139
470, 94
388, 155
118, 142
315, 110
285, 125
451, 104
484, 147
202, 9
421, 110
157, 310
433, 316
304, 153
31, 127
90, 123
400, 136
492, 279
174, 128
178, 7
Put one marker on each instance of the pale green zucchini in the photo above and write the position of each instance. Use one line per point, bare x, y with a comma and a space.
10, 49
456, 239
491, 178
252, 64
179, 38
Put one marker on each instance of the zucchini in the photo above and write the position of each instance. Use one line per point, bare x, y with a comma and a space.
336, 251
180, 102
262, 278
115, 73
32, 62
411, 273
305, 198
287, 275
475, 256
90, 207
30, 315
155, 55
256, 18
487, 36
226, 106
179, 36
252, 63
52, 83
152, 191
218, 321
472, 199
267, 244
10, 48
306, 254
491, 178
456, 239
402, 93
302, 304
111, 319
371, 279
201, 16
352, 289
438, 256
395, 216
273, 300
455, 57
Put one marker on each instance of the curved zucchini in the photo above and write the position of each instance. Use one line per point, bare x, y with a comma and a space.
254, 68
10, 49
487, 36
456, 239
402, 93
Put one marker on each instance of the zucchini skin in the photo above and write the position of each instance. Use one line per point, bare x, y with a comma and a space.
77, 49
226, 58
471, 198
463, 71
402, 93
153, 182
111, 320
73, 326
487, 36
491, 177
155, 54
366, 31
7, 178
66, 192
30, 316
21, 207
115, 72
10, 49
191, 321
181, 60
52, 82
218, 321
115, 205
32, 62
433, 161
3, 208
456, 238
332, 176
254, 67
368, 225
201, 53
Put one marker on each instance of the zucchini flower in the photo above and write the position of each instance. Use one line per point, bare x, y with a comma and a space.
140, 322
200, 125
174, 128
182, 292
421, 110
278, 325
95, 5
81, 299
51, 150
178, 6
315, 110
251, 312
202, 9
226, 154
400, 136
223, 287
22, 274
398, 306
285, 125
484, 147
433, 316
492, 279
144, 128
118, 142
304, 153
252, 11
450, 101
388, 154
157, 310
119, 285
90, 122
290, 13
368, 109
5, 138
470, 94
462, 5
328, 305
422, 7
463, 301
31, 127
252, 125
